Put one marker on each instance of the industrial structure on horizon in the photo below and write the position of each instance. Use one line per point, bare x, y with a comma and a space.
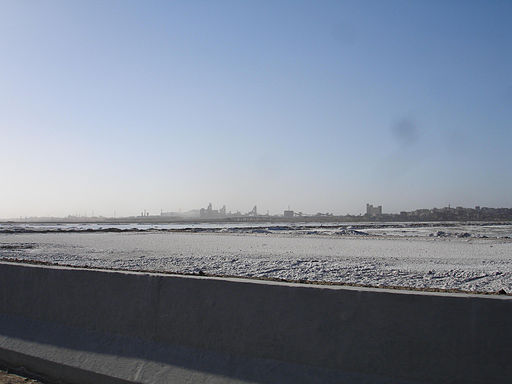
448, 213
210, 213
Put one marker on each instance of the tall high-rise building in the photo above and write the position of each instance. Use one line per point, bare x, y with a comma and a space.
373, 211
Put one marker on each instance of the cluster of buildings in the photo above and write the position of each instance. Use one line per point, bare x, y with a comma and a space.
457, 214
373, 213
210, 213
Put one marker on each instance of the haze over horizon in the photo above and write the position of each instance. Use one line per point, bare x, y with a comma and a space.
321, 106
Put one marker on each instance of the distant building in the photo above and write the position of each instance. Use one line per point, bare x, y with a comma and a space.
373, 211
288, 213
210, 213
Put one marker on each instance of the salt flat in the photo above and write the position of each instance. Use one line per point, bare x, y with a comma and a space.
472, 262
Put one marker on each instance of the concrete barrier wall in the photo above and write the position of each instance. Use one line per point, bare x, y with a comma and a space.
161, 328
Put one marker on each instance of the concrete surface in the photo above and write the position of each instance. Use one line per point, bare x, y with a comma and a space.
83, 326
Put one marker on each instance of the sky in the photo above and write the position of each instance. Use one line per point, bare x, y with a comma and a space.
321, 106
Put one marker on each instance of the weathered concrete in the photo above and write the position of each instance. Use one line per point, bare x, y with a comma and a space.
135, 327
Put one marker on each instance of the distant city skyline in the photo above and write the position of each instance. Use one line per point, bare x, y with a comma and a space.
122, 106
214, 212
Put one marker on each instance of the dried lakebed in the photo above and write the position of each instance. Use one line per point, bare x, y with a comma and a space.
469, 264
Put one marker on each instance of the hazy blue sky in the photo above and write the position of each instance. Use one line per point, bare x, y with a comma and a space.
320, 105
